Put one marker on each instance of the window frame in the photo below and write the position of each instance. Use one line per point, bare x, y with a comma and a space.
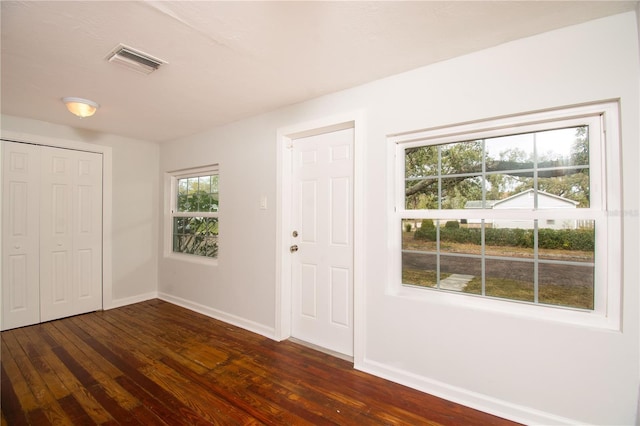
604, 208
171, 211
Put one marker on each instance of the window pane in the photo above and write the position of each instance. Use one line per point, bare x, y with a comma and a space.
460, 255
566, 240
571, 185
421, 162
509, 279
509, 273
509, 153
566, 285
456, 273
412, 241
419, 261
198, 194
214, 203
440, 254
505, 185
421, 194
461, 158
571, 245
182, 186
456, 192
204, 183
419, 269
563, 147
195, 235
509, 238
458, 236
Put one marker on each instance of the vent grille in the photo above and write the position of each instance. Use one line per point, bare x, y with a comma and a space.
134, 59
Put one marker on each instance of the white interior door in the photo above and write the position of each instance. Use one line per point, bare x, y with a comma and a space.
322, 219
70, 233
52, 233
20, 234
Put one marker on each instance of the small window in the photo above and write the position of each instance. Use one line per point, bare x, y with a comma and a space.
513, 209
195, 204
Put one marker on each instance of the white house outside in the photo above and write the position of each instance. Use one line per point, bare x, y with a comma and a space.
526, 200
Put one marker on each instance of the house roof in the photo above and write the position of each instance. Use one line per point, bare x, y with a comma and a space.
477, 204
540, 193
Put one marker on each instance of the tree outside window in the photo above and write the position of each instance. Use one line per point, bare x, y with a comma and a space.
195, 215
514, 208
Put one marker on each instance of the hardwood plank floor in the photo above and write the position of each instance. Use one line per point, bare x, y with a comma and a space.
154, 363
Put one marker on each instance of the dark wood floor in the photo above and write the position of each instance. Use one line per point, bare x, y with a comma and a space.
155, 363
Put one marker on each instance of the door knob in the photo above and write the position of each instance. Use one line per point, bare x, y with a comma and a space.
293, 248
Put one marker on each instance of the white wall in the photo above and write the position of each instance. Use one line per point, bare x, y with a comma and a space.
526, 369
135, 194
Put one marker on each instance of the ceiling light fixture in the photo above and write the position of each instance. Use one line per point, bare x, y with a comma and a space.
80, 107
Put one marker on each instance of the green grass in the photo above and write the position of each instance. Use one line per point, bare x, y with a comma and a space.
503, 288
550, 294
561, 295
421, 277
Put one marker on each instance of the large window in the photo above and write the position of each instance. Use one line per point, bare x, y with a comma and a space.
519, 209
195, 203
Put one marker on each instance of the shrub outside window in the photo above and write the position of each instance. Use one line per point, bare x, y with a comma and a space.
194, 212
514, 209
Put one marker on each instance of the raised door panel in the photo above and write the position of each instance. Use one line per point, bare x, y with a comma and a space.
56, 250
87, 232
20, 235
71, 238
322, 213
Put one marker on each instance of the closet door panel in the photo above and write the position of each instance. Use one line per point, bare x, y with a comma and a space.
71, 237
56, 238
51, 233
87, 232
20, 235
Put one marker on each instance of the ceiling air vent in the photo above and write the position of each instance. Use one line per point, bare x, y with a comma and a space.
134, 59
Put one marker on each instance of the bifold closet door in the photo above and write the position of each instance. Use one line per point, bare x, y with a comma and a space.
20, 234
70, 232
52, 233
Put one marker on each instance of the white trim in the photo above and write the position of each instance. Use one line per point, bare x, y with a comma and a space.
605, 206
285, 135
211, 169
458, 395
453, 131
170, 211
220, 315
107, 197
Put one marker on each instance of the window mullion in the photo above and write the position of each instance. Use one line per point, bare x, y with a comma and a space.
534, 202
535, 263
193, 232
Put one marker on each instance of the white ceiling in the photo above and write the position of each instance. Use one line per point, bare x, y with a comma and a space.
231, 60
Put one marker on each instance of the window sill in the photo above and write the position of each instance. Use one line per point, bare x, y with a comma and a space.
189, 258
510, 308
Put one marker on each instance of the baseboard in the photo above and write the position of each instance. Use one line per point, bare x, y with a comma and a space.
220, 315
118, 303
496, 407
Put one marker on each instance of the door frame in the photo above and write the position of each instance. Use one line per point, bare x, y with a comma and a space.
285, 137
107, 196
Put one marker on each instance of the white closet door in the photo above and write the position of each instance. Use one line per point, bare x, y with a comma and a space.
70, 233
20, 235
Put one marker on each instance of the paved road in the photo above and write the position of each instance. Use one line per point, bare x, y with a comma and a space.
575, 275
